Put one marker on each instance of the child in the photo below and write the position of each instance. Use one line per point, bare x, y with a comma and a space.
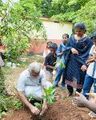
50, 61
90, 77
60, 58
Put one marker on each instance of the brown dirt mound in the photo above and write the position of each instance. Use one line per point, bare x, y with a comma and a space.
61, 110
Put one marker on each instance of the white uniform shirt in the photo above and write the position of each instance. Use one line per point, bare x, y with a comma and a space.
32, 86
92, 65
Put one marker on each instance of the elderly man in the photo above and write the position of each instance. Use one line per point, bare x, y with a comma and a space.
31, 83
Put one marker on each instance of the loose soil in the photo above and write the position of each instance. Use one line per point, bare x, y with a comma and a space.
62, 109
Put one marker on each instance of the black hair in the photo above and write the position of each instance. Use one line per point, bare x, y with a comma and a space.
81, 26
49, 42
65, 34
54, 46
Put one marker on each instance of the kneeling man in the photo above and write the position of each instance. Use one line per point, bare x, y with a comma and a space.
31, 83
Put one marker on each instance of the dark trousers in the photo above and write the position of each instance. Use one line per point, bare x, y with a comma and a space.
70, 90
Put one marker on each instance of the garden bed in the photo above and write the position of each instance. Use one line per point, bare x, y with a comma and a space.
61, 110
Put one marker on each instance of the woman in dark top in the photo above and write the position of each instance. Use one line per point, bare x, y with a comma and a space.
76, 65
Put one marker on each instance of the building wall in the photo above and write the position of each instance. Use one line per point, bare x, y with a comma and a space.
55, 30
54, 33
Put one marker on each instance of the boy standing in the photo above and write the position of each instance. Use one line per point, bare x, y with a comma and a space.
50, 61
60, 58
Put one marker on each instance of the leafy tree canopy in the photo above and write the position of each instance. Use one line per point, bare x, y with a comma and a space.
73, 11
18, 22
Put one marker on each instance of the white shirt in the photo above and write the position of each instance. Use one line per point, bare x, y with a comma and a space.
32, 86
92, 65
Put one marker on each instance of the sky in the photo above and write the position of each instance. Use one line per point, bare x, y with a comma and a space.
10, 0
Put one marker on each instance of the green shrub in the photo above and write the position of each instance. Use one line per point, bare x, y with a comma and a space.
7, 103
49, 95
2, 78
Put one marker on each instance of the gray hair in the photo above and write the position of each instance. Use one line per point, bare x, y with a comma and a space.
35, 66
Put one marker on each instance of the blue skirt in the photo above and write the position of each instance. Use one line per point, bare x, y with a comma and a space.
74, 75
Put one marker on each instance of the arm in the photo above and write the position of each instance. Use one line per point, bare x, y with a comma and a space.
88, 51
82, 101
70, 45
45, 84
59, 51
91, 105
44, 107
91, 59
49, 66
33, 109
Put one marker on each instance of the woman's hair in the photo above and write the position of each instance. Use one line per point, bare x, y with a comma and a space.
81, 26
65, 34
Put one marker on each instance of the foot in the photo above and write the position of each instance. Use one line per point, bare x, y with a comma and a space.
62, 86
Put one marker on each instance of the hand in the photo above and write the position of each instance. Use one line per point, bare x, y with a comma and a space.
83, 68
74, 51
44, 108
80, 99
91, 59
91, 94
92, 97
35, 110
61, 53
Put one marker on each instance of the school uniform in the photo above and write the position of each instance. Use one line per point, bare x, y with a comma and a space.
74, 75
90, 77
61, 59
50, 59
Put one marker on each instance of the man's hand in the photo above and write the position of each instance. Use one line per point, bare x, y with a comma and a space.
83, 68
74, 51
44, 108
34, 110
80, 100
